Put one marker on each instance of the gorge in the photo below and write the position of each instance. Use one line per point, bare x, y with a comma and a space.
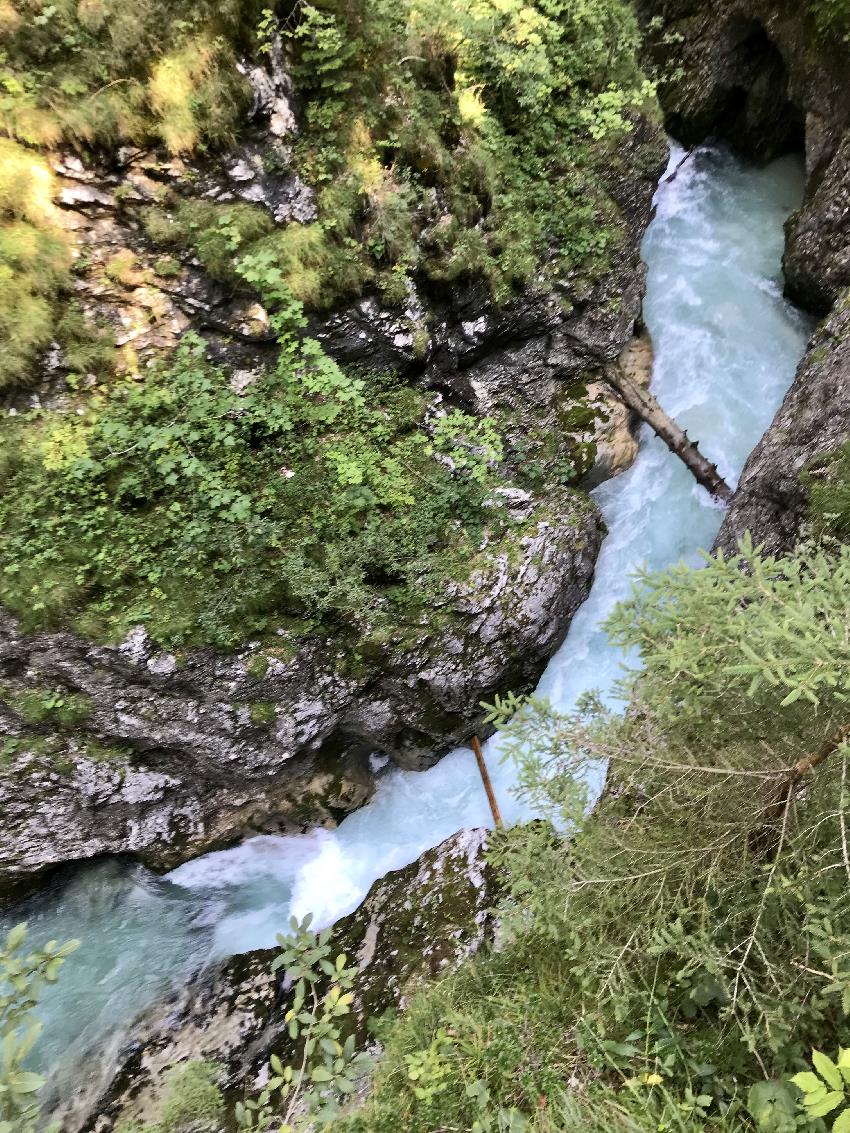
726, 347
290, 776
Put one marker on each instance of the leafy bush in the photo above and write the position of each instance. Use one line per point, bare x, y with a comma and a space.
823, 1092
212, 512
22, 979
308, 1092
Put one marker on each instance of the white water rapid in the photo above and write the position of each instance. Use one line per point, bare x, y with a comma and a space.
726, 347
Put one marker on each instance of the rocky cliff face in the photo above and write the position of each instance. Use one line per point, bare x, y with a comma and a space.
127, 748
415, 923
757, 73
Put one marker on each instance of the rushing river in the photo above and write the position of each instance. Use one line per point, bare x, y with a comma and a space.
726, 347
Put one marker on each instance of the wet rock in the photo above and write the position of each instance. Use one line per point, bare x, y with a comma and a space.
814, 420
416, 923
615, 435
817, 251
258, 174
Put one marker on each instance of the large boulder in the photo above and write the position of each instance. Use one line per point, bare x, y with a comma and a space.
166, 757
416, 923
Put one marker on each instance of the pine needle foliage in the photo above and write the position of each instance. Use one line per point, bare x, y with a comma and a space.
673, 961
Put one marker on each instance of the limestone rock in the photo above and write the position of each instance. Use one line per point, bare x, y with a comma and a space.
198, 766
813, 420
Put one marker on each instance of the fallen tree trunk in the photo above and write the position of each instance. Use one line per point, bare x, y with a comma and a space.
642, 402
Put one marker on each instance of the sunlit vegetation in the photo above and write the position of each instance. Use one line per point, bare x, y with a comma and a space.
445, 142
97, 73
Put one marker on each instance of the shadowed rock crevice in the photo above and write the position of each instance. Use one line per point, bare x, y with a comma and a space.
746, 97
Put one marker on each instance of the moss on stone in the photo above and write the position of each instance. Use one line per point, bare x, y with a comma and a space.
51, 706
263, 713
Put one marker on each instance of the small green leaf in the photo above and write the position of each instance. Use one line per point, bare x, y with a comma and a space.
808, 1082
825, 1105
827, 1070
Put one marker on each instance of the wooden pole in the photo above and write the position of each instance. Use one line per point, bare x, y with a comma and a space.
475, 744
642, 402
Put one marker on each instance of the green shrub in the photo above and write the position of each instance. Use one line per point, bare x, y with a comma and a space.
34, 261
211, 514
215, 233
673, 962
98, 74
828, 482
461, 140
23, 976
40, 706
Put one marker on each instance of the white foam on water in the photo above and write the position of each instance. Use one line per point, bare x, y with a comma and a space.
726, 346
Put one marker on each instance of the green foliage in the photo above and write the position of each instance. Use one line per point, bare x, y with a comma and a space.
101, 74
192, 1103
756, 640
34, 261
832, 19
263, 713
23, 976
44, 706
458, 140
674, 961
309, 1092
211, 514
215, 233
823, 1093
35, 277
828, 482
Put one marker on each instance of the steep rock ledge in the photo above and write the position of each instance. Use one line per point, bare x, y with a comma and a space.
758, 74
198, 766
814, 420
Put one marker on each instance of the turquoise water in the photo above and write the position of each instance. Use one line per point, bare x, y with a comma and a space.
726, 346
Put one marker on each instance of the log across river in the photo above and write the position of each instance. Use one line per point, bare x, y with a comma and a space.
726, 347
